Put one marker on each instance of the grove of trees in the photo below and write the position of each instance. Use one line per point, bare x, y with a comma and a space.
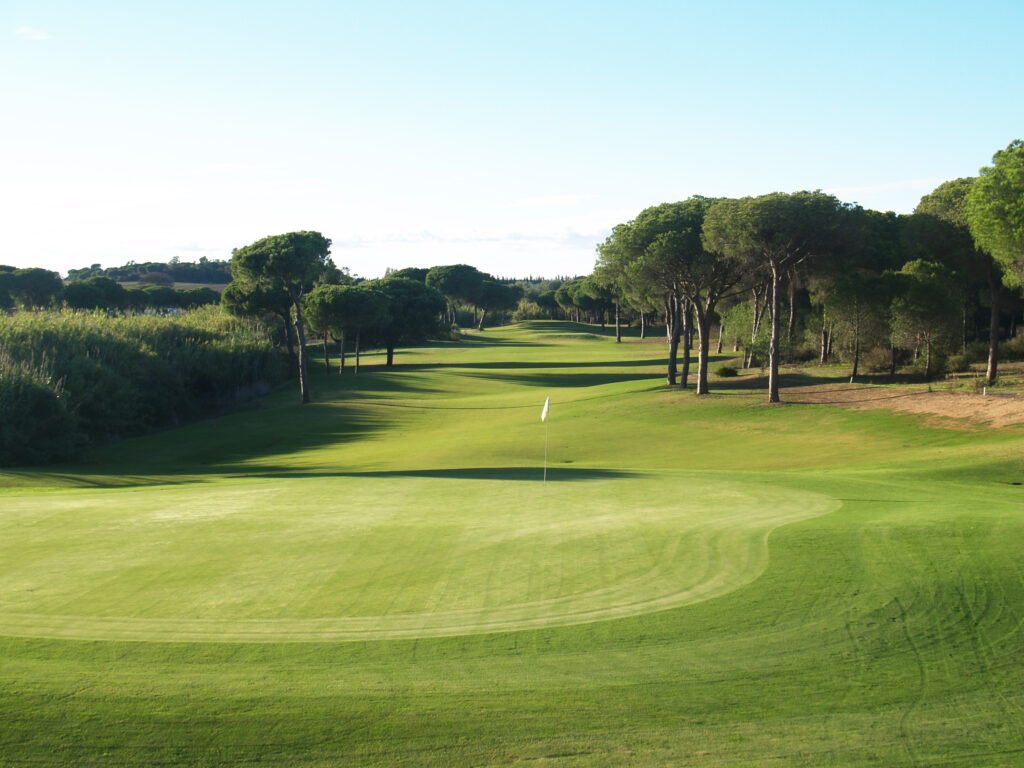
783, 277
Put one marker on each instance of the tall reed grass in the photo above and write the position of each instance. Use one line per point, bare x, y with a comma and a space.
117, 377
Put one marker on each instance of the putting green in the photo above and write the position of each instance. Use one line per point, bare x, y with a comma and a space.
391, 555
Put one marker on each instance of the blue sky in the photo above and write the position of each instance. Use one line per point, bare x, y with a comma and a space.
507, 135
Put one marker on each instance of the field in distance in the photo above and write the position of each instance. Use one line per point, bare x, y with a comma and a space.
383, 578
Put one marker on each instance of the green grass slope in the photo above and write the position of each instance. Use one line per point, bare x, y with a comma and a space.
382, 578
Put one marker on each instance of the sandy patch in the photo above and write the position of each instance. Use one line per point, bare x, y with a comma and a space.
991, 410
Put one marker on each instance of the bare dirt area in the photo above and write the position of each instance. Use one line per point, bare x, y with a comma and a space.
967, 409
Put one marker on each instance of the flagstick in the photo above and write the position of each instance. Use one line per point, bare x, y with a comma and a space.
545, 451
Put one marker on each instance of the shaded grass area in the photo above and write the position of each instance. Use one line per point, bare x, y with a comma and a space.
886, 632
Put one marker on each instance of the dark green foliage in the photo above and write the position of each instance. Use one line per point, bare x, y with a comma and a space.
96, 293
995, 211
203, 271
419, 274
127, 376
198, 297
958, 364
34, 288
412, 314
293, 261
160, 297
727, 371
459, 283
6, 287
497, 297
35, 423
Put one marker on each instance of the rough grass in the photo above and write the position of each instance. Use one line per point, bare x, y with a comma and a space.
381, 578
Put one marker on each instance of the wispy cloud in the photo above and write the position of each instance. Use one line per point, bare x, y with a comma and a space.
31, 33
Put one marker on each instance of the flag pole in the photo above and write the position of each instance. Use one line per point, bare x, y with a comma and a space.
545, 451
544, 418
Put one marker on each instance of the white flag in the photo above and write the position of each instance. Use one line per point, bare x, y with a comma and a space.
544, 413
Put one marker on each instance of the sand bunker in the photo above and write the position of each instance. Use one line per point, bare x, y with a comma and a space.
970, 409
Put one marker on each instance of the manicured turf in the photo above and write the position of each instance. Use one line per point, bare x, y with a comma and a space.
381, 577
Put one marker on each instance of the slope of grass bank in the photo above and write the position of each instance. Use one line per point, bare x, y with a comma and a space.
381, 578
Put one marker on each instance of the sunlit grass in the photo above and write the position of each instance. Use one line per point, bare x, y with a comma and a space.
381, 577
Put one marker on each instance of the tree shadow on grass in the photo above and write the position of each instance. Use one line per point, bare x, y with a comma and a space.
572, 327
513, 365
532, 474
231, 445
564, 380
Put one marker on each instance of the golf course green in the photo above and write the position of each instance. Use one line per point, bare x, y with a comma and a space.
385, 577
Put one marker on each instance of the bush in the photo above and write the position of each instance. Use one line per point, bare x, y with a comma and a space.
877, 360
35, 424
727, 371
1012, 349
958, 363
977, 352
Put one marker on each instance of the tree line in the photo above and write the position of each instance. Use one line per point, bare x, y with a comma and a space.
291, 279
36, 288
215, 271
859, 278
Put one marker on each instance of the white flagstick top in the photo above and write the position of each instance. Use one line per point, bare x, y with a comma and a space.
544, 413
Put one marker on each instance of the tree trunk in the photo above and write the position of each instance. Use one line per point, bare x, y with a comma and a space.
391, 355
341, 353
721, 332
327, 362
704, 346
673, 341
643, 325
928, 357
892, 359
824, 338
684, 377
480, 325
300, 331
357, 352
963, 329
773, 348
618, 325
792, 310
759, 310
995, 292
289, 340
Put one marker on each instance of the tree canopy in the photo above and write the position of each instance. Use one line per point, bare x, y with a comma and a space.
776, 233
293, 261
995, 210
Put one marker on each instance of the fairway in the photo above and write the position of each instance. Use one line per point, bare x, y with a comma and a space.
383, 578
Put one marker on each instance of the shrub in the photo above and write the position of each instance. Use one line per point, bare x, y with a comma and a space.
727, 371
958, 363
35, 424
977, 352
877, 360
1012, 349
